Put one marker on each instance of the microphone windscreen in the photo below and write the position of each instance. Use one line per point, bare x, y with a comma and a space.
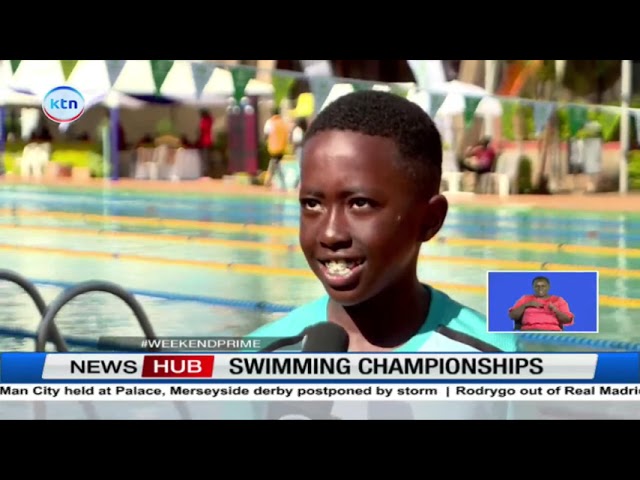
325, 337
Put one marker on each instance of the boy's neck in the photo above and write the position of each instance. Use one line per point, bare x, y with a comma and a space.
388, 320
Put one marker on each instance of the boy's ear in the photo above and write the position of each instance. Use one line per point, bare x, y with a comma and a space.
433, 218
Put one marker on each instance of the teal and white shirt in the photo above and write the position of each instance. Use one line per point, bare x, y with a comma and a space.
449, 327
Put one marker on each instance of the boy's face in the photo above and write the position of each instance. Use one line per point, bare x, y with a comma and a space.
361, 223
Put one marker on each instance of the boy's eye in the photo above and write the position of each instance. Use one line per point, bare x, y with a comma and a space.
310, 204
361, 203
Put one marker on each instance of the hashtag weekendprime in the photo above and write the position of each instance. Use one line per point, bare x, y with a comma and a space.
188, 344
199, 344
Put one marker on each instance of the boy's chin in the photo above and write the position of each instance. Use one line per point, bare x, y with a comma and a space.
348, 298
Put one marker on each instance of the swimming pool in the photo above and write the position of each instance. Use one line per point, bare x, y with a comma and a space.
215, 265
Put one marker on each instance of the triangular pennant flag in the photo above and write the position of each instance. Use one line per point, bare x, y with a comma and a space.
400, 90
14, 65
321, 88
67, 67
470, 107
360, 86
420, 69
608, 122
636, 115
435, 102
577, 118
542, 112
241, 78
201, 73
160, 69
114, 68
281, 86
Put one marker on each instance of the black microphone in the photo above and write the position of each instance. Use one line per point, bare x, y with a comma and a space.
325, 338
316, 338
281, 343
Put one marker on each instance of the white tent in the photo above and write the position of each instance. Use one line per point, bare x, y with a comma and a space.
11, 97
454, 103
91, 78
8, 96
340, 89
337, 91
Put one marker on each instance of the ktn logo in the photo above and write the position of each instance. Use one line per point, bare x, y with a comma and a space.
63, 104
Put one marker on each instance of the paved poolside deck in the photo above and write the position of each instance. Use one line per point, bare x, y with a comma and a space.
597, 202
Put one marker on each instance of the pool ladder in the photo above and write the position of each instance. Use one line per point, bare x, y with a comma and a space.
48, 331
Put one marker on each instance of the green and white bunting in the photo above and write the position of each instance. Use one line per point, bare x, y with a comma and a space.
114, 69
201, 73
321, 88
609, 122
14, 65
281, 86
578, 117
361, 86
67, 67
541, 114
400, 90
435, 102
470, 107
456, 97
160, 69
241, 78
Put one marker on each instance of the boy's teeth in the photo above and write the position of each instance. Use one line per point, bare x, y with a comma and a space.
340, 267
339, 264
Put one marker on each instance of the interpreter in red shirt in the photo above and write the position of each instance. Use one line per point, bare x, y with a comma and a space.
541, 312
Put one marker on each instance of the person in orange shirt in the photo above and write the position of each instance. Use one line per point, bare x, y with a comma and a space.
276, 132
541, 311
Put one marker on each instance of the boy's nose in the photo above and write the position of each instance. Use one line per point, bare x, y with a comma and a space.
335, 230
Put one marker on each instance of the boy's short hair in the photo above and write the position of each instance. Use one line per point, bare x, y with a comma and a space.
544, 279
388, 115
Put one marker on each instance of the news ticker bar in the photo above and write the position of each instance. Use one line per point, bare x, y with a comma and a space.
606, 368
192, 344
295, 393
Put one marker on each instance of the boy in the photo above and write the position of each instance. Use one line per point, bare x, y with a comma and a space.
369, 197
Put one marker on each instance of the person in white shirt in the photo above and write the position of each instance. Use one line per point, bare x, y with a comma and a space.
297, 136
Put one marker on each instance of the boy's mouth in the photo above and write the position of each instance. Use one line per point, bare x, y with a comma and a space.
341, 272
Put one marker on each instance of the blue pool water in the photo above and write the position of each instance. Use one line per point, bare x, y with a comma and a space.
192, 293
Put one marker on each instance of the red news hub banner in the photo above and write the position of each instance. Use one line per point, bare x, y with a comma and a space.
385, 367
172, 366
